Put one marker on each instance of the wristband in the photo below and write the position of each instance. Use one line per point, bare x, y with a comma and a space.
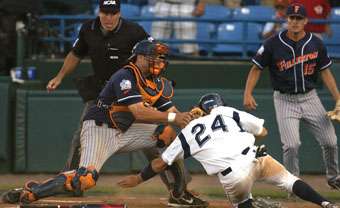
147, 173
171, 117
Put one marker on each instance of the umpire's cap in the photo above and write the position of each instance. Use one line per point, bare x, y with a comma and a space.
109, 6
296, 10
210, 101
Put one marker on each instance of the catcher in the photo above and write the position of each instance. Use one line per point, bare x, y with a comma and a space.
125, 117
223, 142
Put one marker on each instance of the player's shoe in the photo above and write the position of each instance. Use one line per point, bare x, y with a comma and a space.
22, 195
187, 200
335, 183
267, 202
12, 196
328, 205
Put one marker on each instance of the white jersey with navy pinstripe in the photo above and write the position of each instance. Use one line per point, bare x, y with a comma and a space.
216, 140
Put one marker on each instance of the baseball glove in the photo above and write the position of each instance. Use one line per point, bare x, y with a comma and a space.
196, 112
335, 114
164, 134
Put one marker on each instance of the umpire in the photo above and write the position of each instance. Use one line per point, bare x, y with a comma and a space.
295, 59
108, 41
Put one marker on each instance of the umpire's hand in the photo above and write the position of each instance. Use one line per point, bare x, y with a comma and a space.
249, 102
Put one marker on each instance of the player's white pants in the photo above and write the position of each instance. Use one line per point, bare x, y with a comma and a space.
239, 182
98, 143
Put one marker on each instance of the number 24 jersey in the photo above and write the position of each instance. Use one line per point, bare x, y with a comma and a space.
216, 140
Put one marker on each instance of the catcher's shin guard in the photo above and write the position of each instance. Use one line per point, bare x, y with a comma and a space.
179, 185
85, 178
34, 191
75, 181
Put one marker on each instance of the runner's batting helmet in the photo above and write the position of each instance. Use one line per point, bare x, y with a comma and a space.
210, 101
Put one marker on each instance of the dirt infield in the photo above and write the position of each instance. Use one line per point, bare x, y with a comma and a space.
154, 195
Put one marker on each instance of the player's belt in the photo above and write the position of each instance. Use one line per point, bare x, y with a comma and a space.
228, 169
100, 123
294, 93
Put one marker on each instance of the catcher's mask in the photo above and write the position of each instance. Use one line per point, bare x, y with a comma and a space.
155, 52
210, 101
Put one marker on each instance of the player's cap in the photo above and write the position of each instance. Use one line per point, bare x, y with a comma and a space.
296, 10
109, 6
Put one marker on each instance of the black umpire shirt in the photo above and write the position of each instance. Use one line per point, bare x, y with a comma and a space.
293, 66
109, 52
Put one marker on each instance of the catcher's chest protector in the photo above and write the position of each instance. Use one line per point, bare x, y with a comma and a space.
151, 91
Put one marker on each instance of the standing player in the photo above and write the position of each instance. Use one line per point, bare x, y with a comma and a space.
223, 142
126, 114
295, 58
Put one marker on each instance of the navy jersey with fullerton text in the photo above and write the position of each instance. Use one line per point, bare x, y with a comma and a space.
293, 66
121, 89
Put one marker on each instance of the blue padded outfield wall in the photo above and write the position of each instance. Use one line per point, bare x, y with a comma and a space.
36, 127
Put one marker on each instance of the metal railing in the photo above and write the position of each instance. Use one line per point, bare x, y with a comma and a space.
64, 23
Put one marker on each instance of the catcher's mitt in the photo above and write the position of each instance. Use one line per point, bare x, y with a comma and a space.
196, 112
164, 134
335, 114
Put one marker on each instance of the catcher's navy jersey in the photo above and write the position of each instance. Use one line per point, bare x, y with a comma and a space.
293, 66
121, 89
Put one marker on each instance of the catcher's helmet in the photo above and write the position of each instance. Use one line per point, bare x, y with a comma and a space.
210, 101
153, 50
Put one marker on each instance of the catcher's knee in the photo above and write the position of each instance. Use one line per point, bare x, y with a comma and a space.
81, 179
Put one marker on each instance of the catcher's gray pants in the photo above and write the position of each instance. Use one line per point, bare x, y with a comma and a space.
74, 153
98, 143
150, 153
290, 110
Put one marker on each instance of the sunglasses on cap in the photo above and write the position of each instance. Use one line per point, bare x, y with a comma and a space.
279, 7
295, 17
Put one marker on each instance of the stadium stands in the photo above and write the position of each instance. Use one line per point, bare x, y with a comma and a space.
129, 10
147, 11
335, 13
253, 12
229, 32
208, 30
333, 50
241, 26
